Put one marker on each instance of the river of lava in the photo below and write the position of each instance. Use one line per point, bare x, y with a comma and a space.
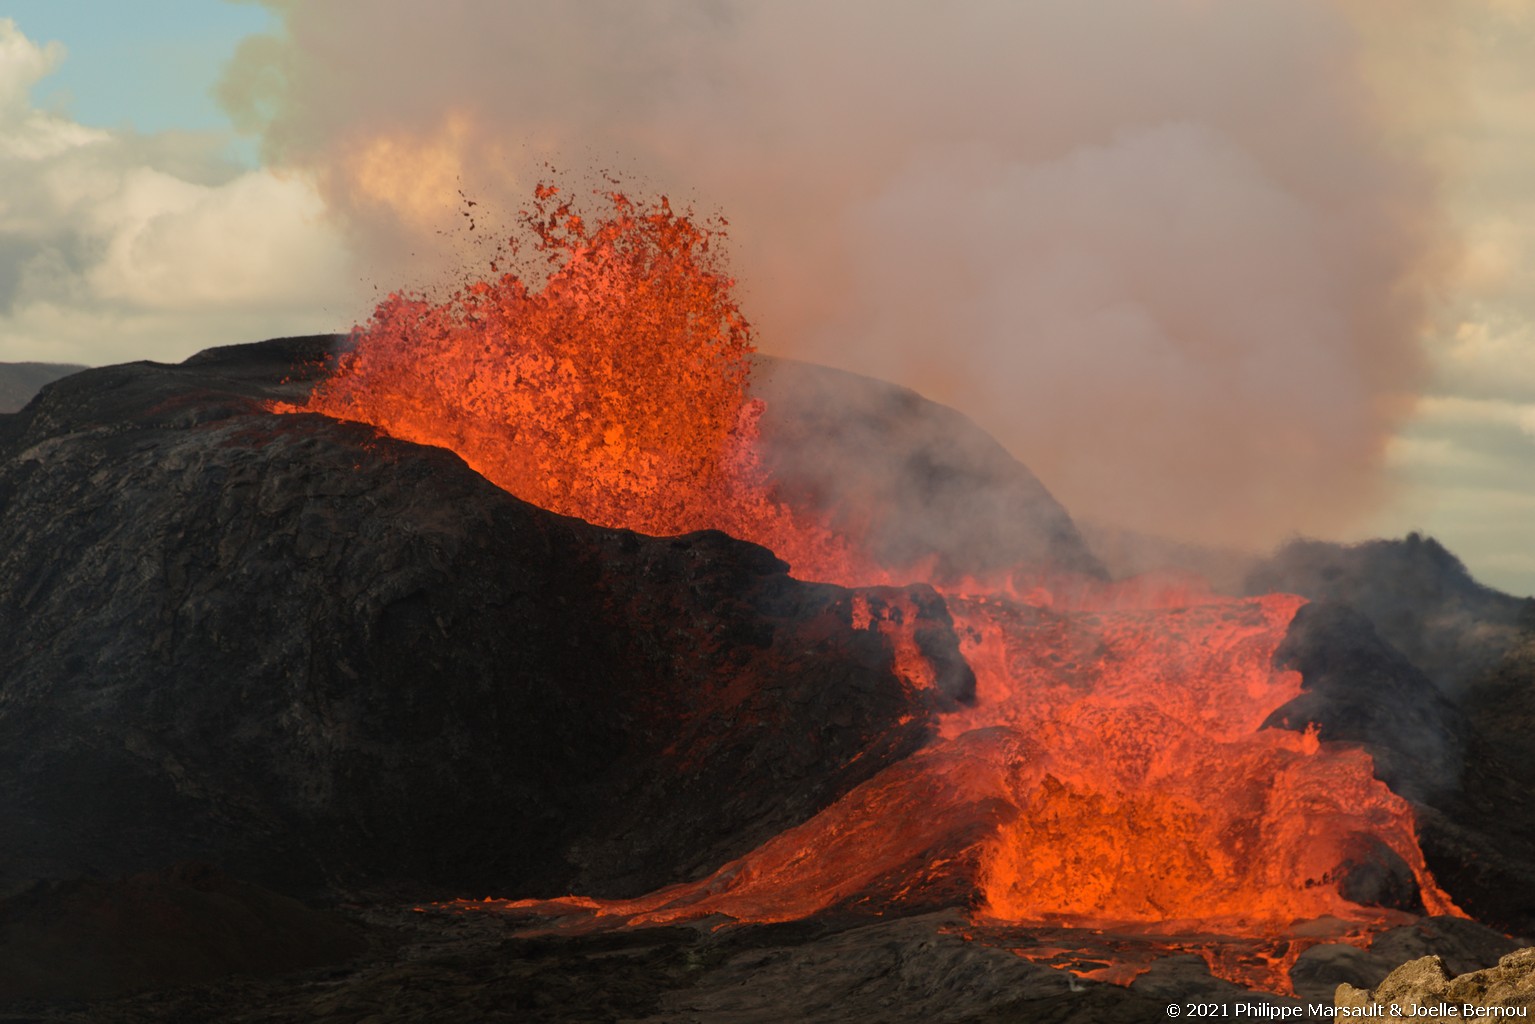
1112, 774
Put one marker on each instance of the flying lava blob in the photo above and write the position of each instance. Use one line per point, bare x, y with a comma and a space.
1112, 772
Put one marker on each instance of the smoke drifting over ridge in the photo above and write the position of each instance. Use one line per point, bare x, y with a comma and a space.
1162, 250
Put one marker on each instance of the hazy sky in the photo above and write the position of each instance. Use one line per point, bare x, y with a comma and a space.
1220, 270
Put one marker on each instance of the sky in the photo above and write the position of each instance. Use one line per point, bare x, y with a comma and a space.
1228, 272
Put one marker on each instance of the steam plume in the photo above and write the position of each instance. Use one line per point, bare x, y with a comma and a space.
1163, 249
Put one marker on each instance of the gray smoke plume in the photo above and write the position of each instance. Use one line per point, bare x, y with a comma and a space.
1164, 250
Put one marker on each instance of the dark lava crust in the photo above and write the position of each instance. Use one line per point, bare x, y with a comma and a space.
324, 659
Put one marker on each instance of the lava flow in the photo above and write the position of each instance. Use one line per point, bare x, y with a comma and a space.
1112, 774
1112, 777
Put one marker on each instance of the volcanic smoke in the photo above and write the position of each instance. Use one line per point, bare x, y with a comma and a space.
1175, 256
1112, 771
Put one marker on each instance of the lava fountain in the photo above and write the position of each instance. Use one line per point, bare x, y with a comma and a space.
614, 391
1112, 773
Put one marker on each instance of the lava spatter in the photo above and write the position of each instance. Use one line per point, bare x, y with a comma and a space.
615, 389
1111, 774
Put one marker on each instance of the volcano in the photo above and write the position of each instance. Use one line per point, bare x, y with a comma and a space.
548, 640
347, 668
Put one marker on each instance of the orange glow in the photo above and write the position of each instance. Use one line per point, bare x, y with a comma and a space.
1111, 776
1112, 772
1157, 797
615, 391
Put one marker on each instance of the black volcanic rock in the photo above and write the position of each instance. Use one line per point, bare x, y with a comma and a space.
1481, 844
916, 481
1360, 689
1418, 595
1435, 674
476, 968
313, 654
1501, 706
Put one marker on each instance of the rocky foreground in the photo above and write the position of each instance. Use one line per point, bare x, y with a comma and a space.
404, 964
1425, 989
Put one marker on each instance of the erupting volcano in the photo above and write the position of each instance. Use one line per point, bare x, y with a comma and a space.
615, 390
1113, 771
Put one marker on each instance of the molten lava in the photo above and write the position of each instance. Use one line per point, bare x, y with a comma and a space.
1112, 773
1158, 798
615, 390
1110, 776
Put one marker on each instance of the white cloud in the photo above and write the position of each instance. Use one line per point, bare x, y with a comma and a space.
116, 246
1491, 354
22, 64
251, 242
1527, 420
1463, 410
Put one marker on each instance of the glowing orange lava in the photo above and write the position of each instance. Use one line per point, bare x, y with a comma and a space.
1157, 800
1111, 776
1112, 773
614, 391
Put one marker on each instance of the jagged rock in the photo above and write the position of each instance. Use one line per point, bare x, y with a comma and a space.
1424, 990
315, 655
478, 968
1462, 945
902, 972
